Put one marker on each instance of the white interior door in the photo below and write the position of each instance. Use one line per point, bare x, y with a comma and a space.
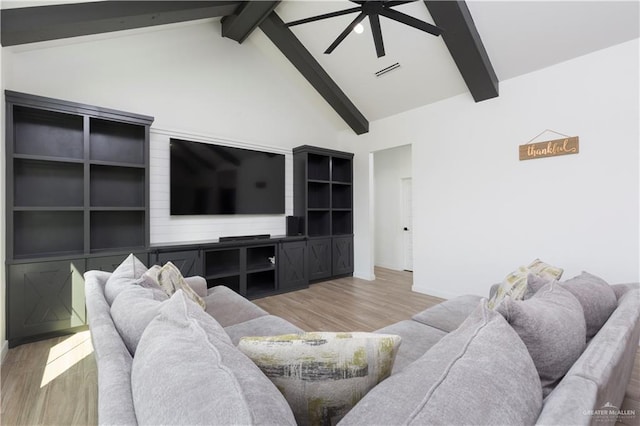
407, 223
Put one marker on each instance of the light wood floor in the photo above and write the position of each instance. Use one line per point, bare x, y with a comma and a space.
54, 382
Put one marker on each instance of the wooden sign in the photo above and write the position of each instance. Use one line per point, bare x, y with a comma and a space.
565, 146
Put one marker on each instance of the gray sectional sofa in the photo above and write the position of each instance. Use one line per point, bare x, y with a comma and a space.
459, 363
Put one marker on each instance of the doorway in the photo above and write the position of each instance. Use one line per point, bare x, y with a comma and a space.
392, 209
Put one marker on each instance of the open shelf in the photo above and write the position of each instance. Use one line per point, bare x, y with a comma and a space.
117, 142
260, 284
258, 258
341, 196
319, 195
318, 167
222, 263
48, 184
341, 222
117, 186
49, 133
318, 223
233, 282
341, 169
117, 229
47, 233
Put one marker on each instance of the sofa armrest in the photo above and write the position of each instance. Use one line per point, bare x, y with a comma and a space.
198, 284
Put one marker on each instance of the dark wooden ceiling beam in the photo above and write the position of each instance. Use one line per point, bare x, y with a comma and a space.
300, 57
464, 43
33, 24
241, 24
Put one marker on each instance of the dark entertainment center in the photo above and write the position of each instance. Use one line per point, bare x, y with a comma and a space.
77, 192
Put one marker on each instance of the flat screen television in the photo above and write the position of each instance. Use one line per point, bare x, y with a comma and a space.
209, 179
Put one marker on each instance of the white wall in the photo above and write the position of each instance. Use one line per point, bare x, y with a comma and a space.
479, 212
390, 166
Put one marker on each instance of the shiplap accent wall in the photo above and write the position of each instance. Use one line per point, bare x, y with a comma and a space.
184, 229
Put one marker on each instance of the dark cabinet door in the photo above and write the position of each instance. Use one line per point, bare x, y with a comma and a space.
110, 263
46, 297
189, 262
319, 258
342, 253
292, 265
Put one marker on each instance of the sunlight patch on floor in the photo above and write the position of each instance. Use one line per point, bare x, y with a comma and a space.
65, 355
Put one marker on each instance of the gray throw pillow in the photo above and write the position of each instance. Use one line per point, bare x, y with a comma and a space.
479, 374
123, 277
597, 298
133, 309
551, 324
187, 371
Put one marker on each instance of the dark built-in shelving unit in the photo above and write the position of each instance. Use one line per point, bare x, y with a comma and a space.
77, 197
323, 198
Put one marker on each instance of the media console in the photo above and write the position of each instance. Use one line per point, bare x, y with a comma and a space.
253, 267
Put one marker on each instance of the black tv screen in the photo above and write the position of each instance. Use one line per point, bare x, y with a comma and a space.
211, 179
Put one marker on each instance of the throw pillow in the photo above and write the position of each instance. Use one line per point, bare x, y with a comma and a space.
123, 277
133, 310
186, 371
516, 284
542, 269
171, 280
551, 324
597, 298
323, 375
479, 374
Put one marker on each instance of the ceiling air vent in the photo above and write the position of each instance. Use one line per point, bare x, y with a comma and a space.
390, 68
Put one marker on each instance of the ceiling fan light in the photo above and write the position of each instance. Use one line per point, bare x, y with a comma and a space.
358, 29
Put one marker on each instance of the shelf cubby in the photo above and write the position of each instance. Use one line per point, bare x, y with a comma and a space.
117, 186
318, 223
48, 184
319, 195
260, 284
342, 222
221, 263
117, 229
341, 196
42, 233
117, 142
232, 281
318, 167
341, 169
258, 258
47, 133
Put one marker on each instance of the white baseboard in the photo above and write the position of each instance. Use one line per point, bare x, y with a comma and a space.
369, 276
4, 351
434, 292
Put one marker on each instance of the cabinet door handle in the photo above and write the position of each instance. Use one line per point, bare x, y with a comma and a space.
406, 229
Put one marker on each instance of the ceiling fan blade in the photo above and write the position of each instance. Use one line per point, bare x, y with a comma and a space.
345, 33
411, 21
324, 16
392, 3
374, 20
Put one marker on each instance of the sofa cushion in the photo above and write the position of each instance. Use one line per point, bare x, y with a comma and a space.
551, 324
322, 375
171, 280
229, 308
448, 315
187, 371
132, 311
597, 298
124, 275
268, 325
417, 339
479, 374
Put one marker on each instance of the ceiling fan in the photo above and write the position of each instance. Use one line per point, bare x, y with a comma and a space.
373, 9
